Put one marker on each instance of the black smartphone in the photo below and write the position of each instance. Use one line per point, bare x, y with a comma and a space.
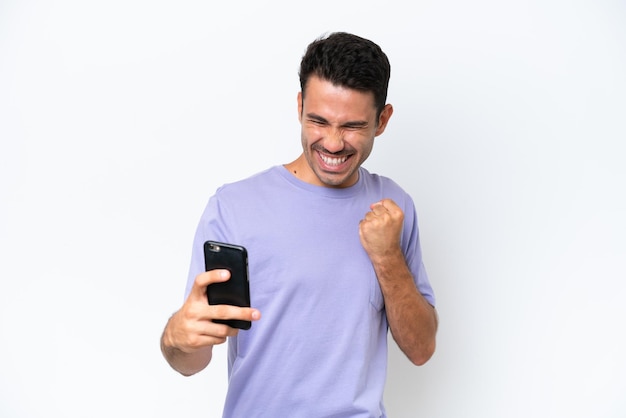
236, 290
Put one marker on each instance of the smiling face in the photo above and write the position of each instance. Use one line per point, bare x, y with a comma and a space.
338, 130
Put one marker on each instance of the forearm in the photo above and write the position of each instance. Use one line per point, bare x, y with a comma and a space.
412, 320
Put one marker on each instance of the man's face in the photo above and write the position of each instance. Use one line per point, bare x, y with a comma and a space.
338, 130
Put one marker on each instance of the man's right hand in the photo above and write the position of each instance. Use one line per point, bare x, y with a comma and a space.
190, 333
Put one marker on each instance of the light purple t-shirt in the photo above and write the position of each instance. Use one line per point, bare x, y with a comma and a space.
320, 347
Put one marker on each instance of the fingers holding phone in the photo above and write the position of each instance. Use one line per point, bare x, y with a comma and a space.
193, 327
212, 312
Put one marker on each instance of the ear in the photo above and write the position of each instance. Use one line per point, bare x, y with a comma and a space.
385, 115
300, 106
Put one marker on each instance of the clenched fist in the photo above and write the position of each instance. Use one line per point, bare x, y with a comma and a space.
381, 228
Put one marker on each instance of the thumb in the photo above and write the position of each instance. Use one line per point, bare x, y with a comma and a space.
202, 280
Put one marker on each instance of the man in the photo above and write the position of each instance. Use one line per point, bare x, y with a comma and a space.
334, 259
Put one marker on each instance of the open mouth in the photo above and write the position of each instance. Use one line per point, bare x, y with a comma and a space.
333, 161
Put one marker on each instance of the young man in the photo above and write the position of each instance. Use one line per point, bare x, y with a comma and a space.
334, 259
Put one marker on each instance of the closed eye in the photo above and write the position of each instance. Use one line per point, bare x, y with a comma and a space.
353, 126
317, 120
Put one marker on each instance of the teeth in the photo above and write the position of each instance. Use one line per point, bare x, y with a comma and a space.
333, 161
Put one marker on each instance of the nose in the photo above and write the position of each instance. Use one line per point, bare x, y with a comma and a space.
334, 141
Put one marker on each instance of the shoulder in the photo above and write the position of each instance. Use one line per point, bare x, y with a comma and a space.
384, 185
249, 185
236, 200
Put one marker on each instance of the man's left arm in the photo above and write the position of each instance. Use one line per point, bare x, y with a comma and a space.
412, 319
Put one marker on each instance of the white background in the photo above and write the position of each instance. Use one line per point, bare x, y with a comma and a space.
119, 119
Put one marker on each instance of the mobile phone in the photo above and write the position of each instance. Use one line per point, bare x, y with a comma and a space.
236, 290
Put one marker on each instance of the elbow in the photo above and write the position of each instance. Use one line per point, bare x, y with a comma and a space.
423, 354
187, 373
425, 350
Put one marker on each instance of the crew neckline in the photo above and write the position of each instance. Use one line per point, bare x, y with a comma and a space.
337, 193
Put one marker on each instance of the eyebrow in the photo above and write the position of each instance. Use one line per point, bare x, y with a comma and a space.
349, 124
